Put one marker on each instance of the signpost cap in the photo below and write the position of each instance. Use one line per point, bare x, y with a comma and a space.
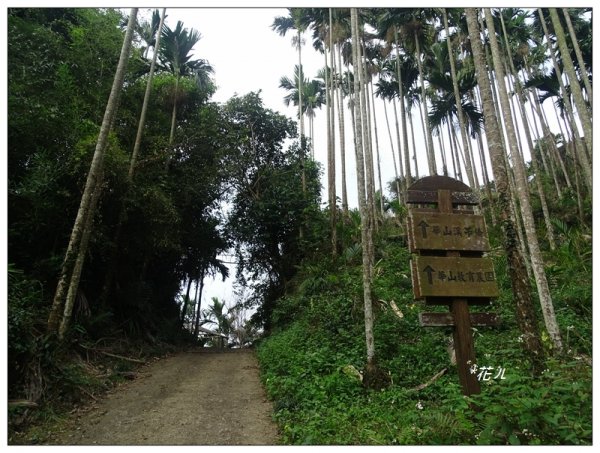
439, 182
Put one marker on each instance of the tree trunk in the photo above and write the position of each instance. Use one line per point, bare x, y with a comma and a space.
569, 67
542, 141
537, 262
407, 178
459, 110
443, 153
199, 303
300, 82
142, 121
331, 138
366, 127
525, 312
536, 170
401, 195
377, 152
366, 231
132, 163
342, 133
174, 112
521, 105
428, 134
387, 122
414, 144
454, 151
186, 300
547, 133
585, 163
78, 267
92, 179
584, 74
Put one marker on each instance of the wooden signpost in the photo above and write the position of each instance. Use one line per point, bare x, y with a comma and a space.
448, 239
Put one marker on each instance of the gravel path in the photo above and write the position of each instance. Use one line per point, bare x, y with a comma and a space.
193, 398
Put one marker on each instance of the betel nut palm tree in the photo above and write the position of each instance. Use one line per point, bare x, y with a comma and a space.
73, 262
283, 24
537, 262
176, 56
525, 312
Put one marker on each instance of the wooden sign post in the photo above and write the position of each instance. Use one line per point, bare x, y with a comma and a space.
448, 239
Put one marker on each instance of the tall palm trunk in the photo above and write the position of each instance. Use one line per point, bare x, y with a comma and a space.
132, 162
368, 146
387, 122
581, 156
520, 101
555, 155
407, 177
199, 301
443, 153
366, 229
331, 137
484, 169
582, 108
536, 169
300, 82
584, 74
78, 267
428, 135
459, 109
174, 111
86, 207
342, 133
537, 262
514, 202
534, 162
142, 121
454, 150
377, 151
414, 144
545, 149
525, 312
401, 195
186, 300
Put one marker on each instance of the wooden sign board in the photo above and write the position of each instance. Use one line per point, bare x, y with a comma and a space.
447, 319
433, 231
431, 197
438, 276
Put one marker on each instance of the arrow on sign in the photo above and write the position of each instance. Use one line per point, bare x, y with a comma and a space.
423, 224
430, 270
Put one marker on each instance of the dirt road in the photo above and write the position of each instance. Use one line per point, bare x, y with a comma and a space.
193, 398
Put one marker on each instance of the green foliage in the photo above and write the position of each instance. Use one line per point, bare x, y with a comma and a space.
275, 202
310, 366
24, 304
552, 409
147, 236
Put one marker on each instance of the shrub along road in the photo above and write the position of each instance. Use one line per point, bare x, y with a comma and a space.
194, 398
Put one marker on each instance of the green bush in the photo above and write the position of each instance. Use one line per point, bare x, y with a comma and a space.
552, 409
310, 361
25, 311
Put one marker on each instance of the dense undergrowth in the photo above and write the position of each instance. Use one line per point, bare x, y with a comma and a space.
49, 379
311, 360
